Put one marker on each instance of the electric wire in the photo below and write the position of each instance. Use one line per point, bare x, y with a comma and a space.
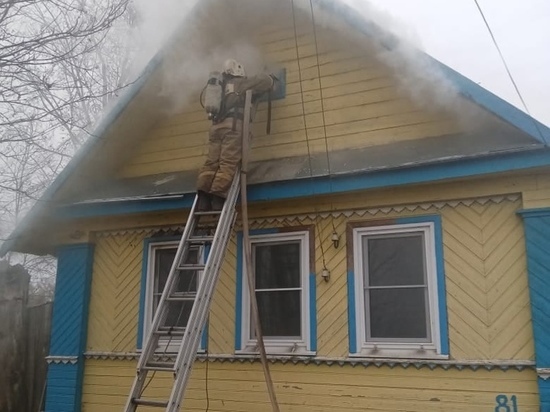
318, 232
206, 382
508, 69
322, 109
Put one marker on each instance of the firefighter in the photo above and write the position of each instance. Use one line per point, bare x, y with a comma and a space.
225, 135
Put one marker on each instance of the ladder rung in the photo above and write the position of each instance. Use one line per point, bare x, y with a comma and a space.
209, 213
171, 329
181, 297
149, 402
191, 266
170, 332
160, 365
201, 239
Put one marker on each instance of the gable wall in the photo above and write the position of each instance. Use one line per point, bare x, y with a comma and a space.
362, 105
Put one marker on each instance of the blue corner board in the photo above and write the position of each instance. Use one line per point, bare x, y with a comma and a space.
72, 295
544, 394
69, 327
537, 242
64, 392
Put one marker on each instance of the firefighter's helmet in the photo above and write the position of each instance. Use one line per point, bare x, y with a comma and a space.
233, 68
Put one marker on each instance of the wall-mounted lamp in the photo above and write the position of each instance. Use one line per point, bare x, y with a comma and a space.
325, 274
335, 240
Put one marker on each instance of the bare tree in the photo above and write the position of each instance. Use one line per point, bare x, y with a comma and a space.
36, 36
61, 63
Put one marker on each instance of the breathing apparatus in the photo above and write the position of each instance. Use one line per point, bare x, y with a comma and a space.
213, 95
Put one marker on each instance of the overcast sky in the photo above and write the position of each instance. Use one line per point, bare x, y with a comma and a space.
453, 32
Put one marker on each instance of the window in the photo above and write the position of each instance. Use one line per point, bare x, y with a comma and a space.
283, 287
160, 256
398, 291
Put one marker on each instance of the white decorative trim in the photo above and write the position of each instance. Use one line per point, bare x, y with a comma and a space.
543, 373
136, 231
381, 210
412, 208
366, 362
73, 360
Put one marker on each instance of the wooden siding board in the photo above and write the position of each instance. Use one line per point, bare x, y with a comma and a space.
355, 89
240, 387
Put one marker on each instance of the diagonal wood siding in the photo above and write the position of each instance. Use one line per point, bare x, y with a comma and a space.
487, 295
114, 304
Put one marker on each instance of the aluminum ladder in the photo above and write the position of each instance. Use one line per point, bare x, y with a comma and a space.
149, 361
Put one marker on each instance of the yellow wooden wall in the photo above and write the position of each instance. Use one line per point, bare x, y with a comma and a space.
486, 283
362, 105
319, 388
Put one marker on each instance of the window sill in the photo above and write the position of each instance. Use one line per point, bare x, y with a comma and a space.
279, 352
397, 354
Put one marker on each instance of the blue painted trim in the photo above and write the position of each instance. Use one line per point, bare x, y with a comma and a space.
125, 207
64, 392
440, 269
335, 184
239, 294
397, 177
143, 289
204, 338
540, 212
465, 86
70, 325
352, 320
495, 104
312, 312
537, 243
544, 394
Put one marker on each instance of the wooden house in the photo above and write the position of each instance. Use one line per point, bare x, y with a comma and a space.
408, 207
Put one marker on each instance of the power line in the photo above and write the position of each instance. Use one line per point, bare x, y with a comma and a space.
507, 68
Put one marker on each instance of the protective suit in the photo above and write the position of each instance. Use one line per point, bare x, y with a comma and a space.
225, 141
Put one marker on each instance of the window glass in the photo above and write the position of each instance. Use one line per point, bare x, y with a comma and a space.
178, 312
395, 260
277, 265
398, 313
280, 313
278, 288
395, 287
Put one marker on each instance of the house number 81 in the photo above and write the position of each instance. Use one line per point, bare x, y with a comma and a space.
503, 406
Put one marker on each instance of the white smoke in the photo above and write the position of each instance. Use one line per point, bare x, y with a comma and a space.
398, 47
218, 30
157, 21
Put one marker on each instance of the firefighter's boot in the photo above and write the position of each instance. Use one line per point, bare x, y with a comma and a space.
204, 203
